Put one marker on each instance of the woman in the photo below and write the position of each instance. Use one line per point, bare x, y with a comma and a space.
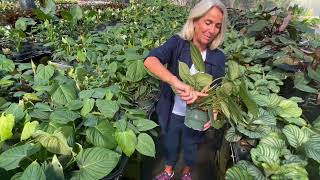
205, 27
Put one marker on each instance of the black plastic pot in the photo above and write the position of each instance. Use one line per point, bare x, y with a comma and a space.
117, 173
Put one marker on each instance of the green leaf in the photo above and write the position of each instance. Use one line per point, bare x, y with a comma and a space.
202, 80
296, 120
88, 105
33, 171
16, 110
270, 101
55, 143
86, 94
265, 118
11, 158
289, 108
257, 26
64, 94
237, 173
231, 135
300, 82
95, 163
144, 124
76, 12
102, 135
265, 154
108, 108
6, 125
255, 132
136, 71
290, 171
63, 116
233, 70
315, 75
121, 124
22, 23
197, 58
251, 169
54, 171
127, 141
28, 129
248, 100
90, 120
99, 93
312, 147
6, 64
146, 145
74, 104
184, 73
296, 136
44, 72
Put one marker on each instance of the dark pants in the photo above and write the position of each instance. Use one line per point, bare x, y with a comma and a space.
190, 139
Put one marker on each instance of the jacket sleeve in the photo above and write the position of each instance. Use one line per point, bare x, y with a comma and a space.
166, 51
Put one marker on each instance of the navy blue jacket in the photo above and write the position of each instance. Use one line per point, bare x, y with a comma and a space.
174, 50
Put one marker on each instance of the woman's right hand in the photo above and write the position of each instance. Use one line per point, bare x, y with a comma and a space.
186, 92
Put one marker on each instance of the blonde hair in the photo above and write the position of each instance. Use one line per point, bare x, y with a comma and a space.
199, 10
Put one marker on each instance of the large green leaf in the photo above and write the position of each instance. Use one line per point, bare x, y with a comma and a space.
202, 80
6, 125
300, 82
197, 58
63, 116
289, 108
16, 110
265, 154
22, 23
184, 73
233, 70
88, 105
86, 94
55, 143
312, 147
108, 108
28, 129
146, 145
258, 26
102, 135
44, 72
231, 135
270, 101
64, 94
237, 173
76, 12
11, 158
95, 163
6, 64
54, 170
255, 132
296, 136
144, 124
248, 100
290, 171
315, 75
251, 169
265, 118
33, 171
127, 141
136, 71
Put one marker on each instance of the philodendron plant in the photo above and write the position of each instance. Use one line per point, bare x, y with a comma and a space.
221, 96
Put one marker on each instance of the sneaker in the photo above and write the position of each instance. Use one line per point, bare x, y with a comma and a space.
163, 176
186, 176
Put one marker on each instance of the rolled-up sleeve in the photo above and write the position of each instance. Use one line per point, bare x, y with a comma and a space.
165, 52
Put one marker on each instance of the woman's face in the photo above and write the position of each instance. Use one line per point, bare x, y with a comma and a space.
207, 27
